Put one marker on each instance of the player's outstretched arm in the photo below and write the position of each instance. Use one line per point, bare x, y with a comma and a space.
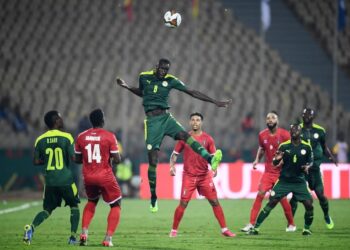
123, 84
330, 156
205, 98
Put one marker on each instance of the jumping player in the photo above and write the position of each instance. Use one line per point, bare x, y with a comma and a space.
154, 88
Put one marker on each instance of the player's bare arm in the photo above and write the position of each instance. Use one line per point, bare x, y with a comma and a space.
306, 168
329, 154
172, 162
258, 157
116, 159
134, 90
205, 98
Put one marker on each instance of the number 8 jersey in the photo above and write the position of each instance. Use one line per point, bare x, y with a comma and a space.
96, 145
55, 149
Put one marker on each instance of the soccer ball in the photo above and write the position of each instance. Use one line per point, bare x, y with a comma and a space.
172, 19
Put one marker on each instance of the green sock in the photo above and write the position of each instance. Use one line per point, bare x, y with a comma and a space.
152, 180
294, 205
197, 147
74, 220
325, 207
40, 217
308, 218
262, 216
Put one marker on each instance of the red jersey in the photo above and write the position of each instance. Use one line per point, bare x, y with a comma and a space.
270, 143
96, 145
194, 164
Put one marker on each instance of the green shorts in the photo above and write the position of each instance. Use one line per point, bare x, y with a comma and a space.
315, 180
53, 196
283, 188
156, 127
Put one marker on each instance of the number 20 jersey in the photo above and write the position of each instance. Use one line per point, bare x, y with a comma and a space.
55, 148
96, 145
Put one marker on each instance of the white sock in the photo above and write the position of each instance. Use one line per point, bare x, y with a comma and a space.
224, 229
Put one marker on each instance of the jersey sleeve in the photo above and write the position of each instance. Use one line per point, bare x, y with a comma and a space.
179, 146
113, 145
177, 84
70, 145
37, 151
211, 147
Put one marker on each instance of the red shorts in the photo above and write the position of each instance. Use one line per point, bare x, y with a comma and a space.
204, 185
267, 181
108, 187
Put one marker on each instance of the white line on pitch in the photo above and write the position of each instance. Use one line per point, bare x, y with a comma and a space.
18, 208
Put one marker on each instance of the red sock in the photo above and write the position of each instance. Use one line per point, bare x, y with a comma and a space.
287, 211
179, 212
256, 208
113, 220
88, 213
219, 214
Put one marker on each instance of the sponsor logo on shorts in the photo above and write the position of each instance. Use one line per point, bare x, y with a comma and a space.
149, 146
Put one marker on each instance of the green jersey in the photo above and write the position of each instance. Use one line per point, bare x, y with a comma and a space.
294, 158
156, 91
316, 136
55, 148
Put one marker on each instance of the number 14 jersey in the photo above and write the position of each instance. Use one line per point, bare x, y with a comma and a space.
96, 145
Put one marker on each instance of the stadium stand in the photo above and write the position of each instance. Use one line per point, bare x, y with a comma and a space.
65, 55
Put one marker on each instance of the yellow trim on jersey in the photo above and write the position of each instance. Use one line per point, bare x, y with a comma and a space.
75, 189
314, 125
145, 128
55, 132
306, 143
151, 72
169, 75
283, 143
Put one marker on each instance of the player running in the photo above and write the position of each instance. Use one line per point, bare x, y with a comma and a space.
154, 88
96, 148
269, 140
295, 158
316, 136
54, 150
196, 175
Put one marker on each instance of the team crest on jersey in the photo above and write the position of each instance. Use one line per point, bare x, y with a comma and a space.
165, 84
303, 151
316, 135
149, 146
265, 141
271, 147
273, 193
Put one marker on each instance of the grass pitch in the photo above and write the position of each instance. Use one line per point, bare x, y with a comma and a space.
140, 229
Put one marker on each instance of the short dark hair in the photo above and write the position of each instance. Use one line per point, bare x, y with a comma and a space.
309, 110
50, 118
274, 112
163, 61
197, 114
96, 118
295, 124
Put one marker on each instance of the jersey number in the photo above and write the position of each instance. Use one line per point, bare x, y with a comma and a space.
155, 89
57, 152
93, 154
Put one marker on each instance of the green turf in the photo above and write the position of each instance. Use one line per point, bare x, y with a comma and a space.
140, 229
